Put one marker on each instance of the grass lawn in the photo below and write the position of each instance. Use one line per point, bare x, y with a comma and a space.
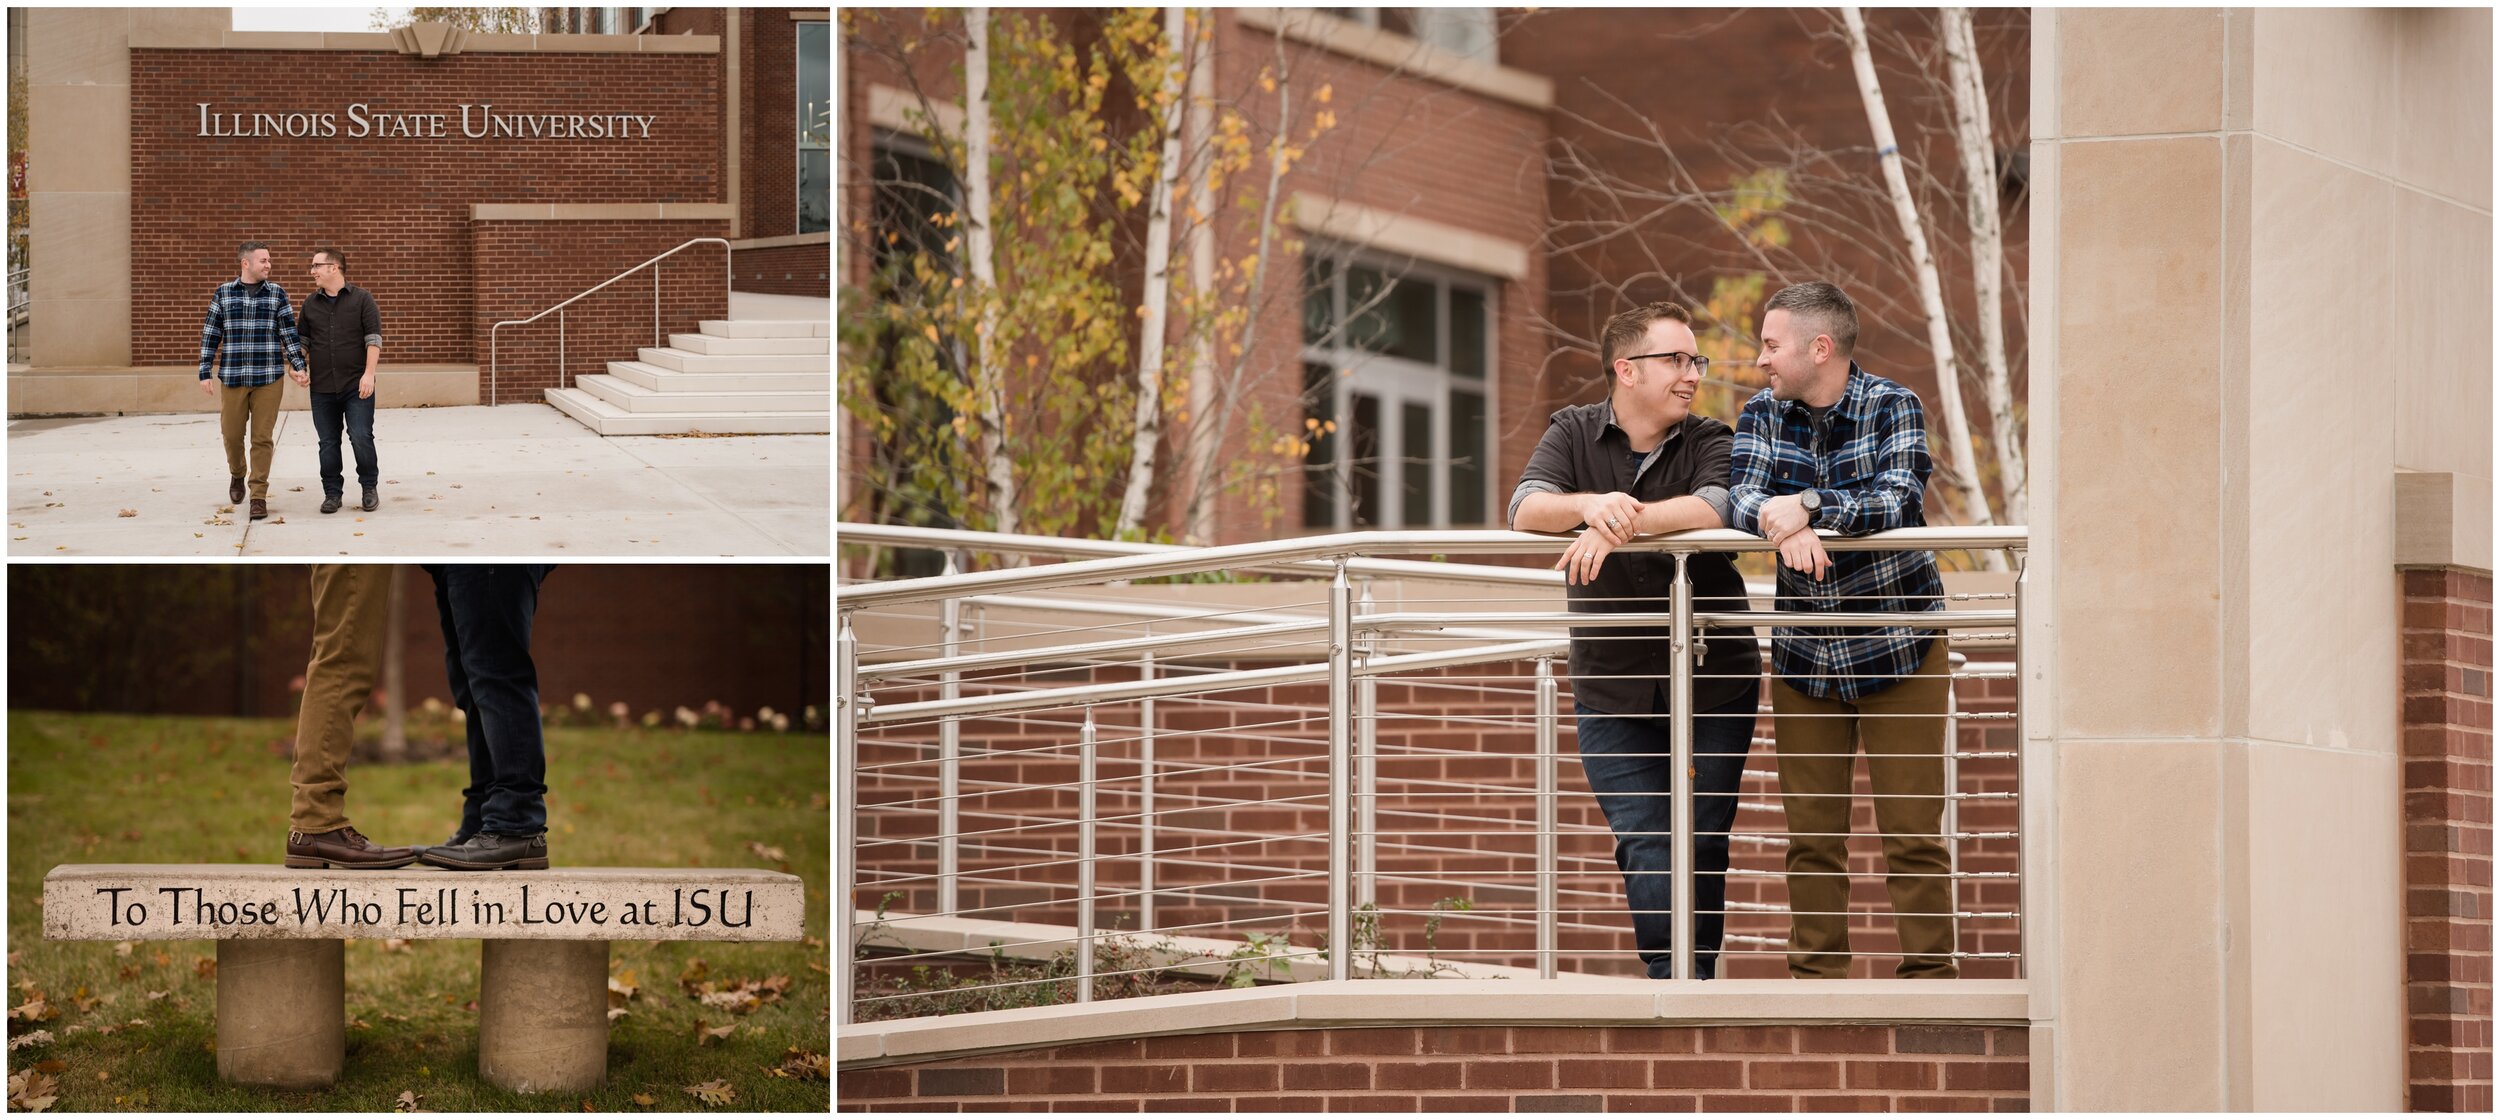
165, 789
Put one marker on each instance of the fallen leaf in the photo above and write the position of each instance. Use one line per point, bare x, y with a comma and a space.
129, 513
616, 1013
294, 489
34, 1010
206, 968
154, 996
645, 1100
32, 1091
394, 944
806, 1064
713, 1092
704, 1035
30, 1038
695, 971
54, 1065
120, 949
407, 1102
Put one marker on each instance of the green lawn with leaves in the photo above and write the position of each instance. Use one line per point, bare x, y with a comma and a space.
132, 1027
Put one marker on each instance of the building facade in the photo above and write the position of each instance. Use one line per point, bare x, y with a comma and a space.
469, 178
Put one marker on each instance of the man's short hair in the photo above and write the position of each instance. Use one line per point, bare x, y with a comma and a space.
336, 258
245, 249
1628, 330
1825, 310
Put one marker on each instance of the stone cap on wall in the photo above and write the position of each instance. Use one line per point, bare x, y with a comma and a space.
221, 901
2443, 520
1373, 1003
599, 211
431, 40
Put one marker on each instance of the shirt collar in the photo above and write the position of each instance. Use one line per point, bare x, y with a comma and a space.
1673, 430
1853, 395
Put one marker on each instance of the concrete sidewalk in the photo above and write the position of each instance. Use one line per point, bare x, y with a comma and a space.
519, 480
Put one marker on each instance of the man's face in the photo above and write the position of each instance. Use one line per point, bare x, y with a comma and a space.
1666, 386
1787, 358
321, 270
256, 266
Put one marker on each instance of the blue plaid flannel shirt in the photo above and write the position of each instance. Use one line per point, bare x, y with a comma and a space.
1872, 476
257, 327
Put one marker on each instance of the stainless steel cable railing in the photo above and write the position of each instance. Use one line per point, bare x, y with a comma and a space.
1131, 767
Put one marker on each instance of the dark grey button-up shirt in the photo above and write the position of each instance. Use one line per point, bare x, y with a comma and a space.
1620, 671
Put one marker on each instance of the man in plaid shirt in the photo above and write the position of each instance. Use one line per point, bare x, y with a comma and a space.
1830, 446
249, 340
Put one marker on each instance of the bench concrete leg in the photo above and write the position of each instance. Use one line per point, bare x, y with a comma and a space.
282, 1012
543, 1015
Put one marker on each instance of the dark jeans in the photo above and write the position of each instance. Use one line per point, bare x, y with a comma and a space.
1630, 771
328, 410
486, 612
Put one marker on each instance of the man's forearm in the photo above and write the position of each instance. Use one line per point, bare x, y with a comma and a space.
1678, 514
373, 359
1544, 512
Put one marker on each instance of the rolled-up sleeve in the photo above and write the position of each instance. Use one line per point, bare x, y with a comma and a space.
1548, 471
372, 321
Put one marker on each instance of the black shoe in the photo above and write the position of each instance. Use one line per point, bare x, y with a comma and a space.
457, 839
373, 499
330, 504
492, 851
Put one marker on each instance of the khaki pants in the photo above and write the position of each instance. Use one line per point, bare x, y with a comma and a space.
1904, 736
350, 602
261, 406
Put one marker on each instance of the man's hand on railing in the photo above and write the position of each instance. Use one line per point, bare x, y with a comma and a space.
1586, 554
1610, 515
1802, 551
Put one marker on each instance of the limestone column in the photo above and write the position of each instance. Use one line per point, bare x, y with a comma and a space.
282, 1012
543, 1015
2260, 286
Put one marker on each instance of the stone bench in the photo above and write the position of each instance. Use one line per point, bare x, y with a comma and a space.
543, 963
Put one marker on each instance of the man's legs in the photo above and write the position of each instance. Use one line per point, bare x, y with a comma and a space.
1904, 733
360, 433
326, 416
233, 411
1630, 770
349, 605
492, 606
263, 404
481, 761
1816, 740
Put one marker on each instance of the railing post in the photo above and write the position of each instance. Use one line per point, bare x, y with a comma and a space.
655, 305
1146, 794
1085, 860
2026, 831
1340, 774
1367, 766
1547, 891
950, 754
1680, 695
560, 350
845, 803
1952, 785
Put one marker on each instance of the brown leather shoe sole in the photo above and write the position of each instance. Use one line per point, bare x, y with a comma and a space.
316, 863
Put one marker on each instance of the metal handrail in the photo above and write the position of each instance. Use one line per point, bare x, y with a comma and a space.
494, 357
1349, 666
1349, 545
1025, 544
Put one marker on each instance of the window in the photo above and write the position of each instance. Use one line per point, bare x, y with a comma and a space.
910, 188
815, 129
1466, 32
1394, 385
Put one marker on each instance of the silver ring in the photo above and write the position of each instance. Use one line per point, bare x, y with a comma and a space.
1611, 522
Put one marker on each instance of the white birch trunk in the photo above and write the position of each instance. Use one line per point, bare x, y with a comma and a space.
1203, 491
1987, 239
1148, 437
1930, 290
1204, 438
989, 367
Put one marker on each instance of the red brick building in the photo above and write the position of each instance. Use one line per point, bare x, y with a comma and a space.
1440, 290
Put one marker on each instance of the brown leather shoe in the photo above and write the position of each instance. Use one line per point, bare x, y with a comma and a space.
234, 490
260, 508
343, 848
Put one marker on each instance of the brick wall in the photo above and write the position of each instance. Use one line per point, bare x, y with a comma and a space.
788, 270
1244, 782
398, 206
523, 268
1865, 1068
2447, 761
769, 187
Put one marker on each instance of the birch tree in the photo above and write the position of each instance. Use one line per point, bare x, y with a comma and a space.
1987, 237
1171, 97
981, 258
1930, 289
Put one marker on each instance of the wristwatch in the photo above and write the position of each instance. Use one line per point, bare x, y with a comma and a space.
1812, 501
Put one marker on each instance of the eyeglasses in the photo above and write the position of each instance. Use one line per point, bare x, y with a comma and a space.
1679, 360
319, 265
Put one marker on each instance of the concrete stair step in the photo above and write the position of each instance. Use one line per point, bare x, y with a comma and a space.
767, 328
668, 380
707, 344
686, 362
607, 419
636, 398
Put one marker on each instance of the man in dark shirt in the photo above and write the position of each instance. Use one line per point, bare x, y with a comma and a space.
343, 338
1642, 463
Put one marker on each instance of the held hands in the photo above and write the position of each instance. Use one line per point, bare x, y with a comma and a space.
301, 377
1612, 520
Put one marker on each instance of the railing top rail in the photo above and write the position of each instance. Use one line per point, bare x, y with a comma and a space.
1390, 541
968, 540
723, 242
